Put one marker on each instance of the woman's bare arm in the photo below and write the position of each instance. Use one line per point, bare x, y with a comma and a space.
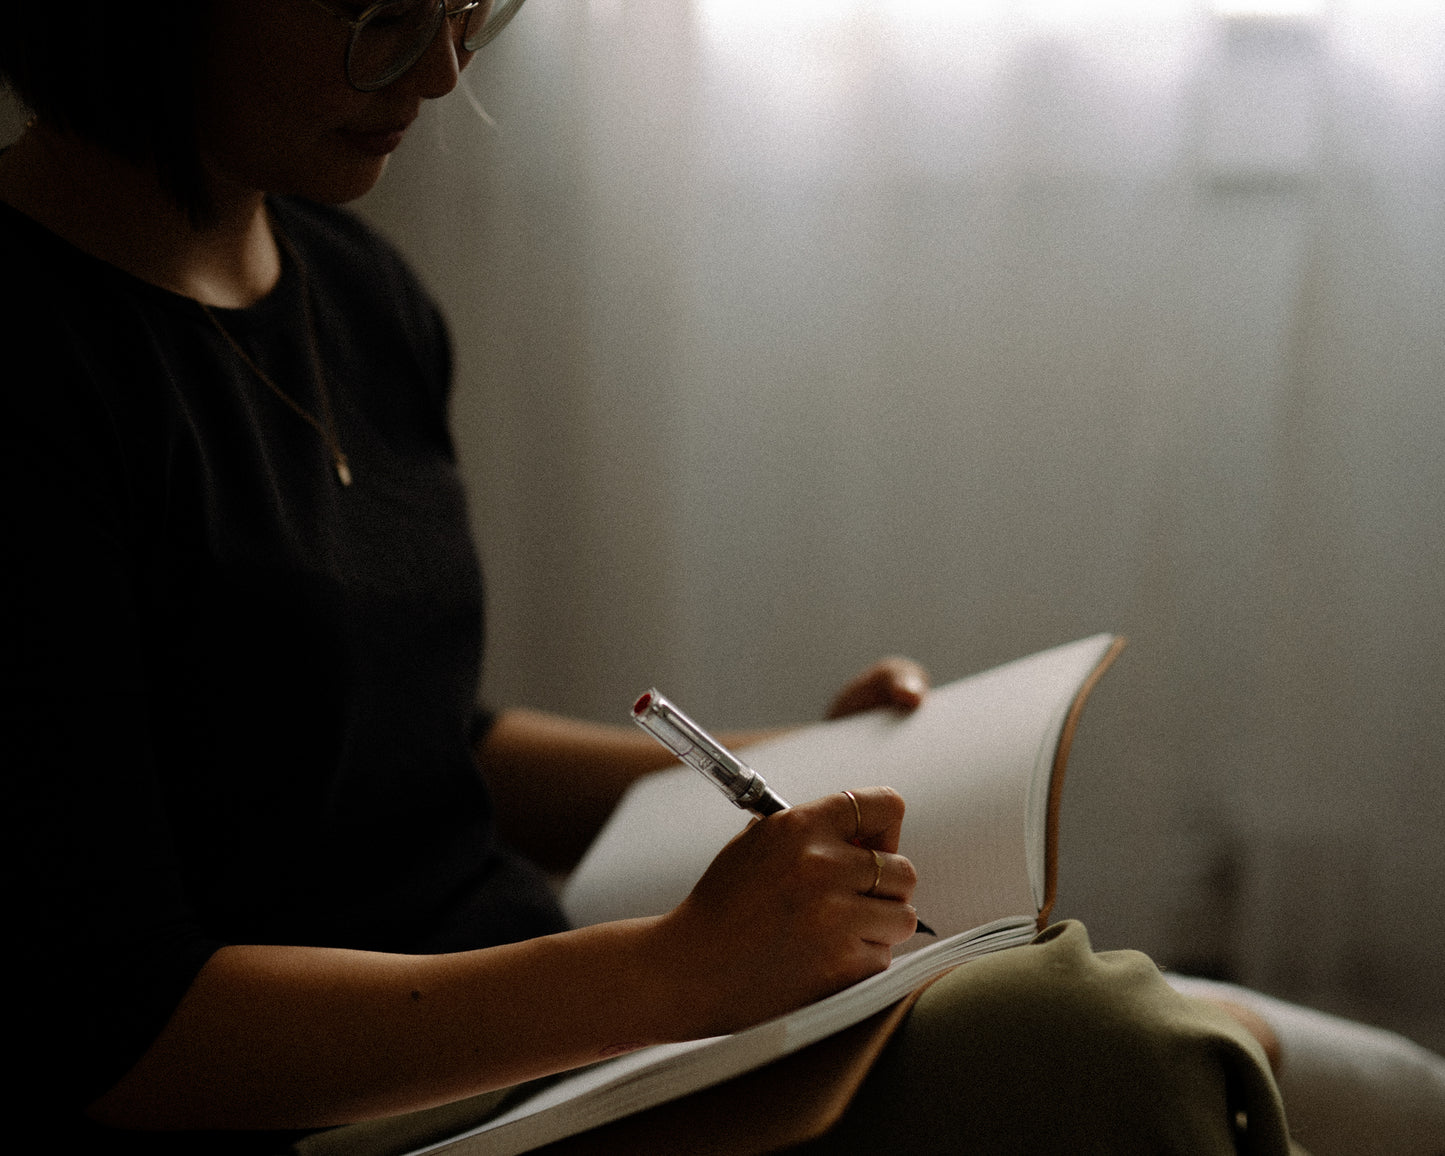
280, 1037
555, 780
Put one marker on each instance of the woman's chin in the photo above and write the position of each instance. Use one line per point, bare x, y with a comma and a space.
340, 183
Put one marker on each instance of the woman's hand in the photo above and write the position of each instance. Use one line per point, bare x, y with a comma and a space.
796, 907
895, 682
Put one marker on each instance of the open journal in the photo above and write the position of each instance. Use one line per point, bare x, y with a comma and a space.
981, 767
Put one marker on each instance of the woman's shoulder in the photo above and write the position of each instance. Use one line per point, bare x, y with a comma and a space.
59, 304
39, 265
332, 230
336, 241
355, 270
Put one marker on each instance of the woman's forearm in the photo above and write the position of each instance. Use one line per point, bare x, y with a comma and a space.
555, 780
297, 1037
795, 907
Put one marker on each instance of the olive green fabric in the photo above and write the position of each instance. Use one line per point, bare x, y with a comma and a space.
1052, 1048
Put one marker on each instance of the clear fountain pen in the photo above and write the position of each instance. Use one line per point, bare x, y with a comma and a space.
704, 754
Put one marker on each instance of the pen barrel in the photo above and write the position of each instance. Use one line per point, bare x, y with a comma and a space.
743, 786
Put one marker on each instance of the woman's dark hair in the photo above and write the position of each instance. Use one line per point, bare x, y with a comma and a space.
121, 73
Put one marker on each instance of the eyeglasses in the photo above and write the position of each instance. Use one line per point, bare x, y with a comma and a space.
389, 36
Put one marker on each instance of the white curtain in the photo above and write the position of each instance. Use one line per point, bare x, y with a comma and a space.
791, 334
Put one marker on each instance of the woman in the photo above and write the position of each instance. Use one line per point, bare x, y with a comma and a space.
246, 665
262, 886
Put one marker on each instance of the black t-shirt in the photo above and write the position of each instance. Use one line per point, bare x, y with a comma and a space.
236, 698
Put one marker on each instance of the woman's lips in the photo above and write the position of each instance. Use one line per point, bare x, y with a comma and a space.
376, 142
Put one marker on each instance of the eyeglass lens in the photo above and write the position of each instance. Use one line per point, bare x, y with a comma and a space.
392, 37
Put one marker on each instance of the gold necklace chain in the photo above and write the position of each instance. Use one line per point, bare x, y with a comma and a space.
326, 426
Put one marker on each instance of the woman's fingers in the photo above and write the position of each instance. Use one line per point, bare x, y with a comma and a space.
868, 817
893, 682
895, 922
888, 877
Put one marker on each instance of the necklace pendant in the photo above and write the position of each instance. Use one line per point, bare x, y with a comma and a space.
326, 424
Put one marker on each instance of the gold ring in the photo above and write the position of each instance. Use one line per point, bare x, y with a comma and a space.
877, 872
857, 817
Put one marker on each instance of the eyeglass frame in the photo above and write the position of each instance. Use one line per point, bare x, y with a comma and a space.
500, 19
